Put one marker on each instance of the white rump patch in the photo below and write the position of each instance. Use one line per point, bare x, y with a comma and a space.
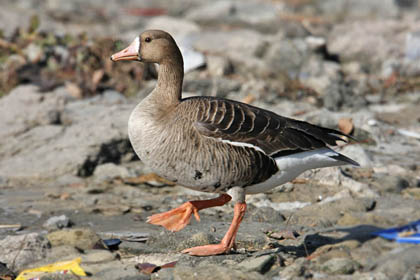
293, 165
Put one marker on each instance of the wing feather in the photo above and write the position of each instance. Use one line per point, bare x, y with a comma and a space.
242, 123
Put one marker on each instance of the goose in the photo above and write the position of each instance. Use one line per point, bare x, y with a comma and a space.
216, 145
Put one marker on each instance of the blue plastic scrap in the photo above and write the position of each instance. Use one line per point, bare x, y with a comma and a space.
409, 233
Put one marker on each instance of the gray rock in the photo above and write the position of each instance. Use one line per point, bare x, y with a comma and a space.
265, 214
398, 262
109, 171
22, 250
57, 222
352, 41
219, 66
296, 269
220, 87
198, 239
59, 276
23, 108
68, 179
163, 274
240, 42
113, 270
91, 133
135, 248
242, 47
389, 183
261, 15
340, 266
287, 55
409, 66
171, 241
82, 238
110, 97
12, 18
357, 9
319, 74
260, 264
33, 52
343, 94
64, 252
97, 256
358, 153
179, 28
212, 271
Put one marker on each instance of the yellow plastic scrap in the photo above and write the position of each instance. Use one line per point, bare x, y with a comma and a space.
64, 267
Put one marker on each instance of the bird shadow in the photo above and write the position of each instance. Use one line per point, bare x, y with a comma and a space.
312, 242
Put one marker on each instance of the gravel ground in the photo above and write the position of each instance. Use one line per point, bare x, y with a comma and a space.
70, 181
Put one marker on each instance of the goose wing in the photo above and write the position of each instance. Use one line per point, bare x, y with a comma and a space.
243, 124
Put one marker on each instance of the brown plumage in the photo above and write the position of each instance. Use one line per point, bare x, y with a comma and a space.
214, 144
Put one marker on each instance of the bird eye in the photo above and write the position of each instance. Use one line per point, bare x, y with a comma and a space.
148, 39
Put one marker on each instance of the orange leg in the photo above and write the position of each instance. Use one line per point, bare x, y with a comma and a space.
178, 218
228, 241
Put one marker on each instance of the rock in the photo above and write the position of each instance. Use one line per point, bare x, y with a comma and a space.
329, 213
261, 200
261, 15
220, 87
241, 47
353, 41
287, 55
111, 97
113, 270
33, 52
134, 247
296, 269
413, 192
358, 154
198, 239
73, 146
110, 171
179, 28
389, 183
334, 177
341, 94
5, 272
69, 179
82, 238
319, 74
64, 252
357, 9
97, 256
397, 262
241, 42
260, 264
219, 66
340, 266
57, 222
13, 18
212, 271
22, 250
265, 214
59, 276
36, 108
170, 241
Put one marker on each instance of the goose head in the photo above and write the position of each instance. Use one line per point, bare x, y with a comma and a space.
151, 46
